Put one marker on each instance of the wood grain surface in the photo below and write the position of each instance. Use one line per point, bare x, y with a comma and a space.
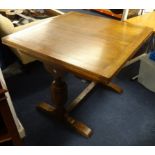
90, 46
147, 19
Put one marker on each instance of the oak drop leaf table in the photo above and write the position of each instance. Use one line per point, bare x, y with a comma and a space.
91, 47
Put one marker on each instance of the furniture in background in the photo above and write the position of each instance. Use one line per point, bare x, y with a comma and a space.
92, 47
121, 14
109, 12
17, 121
145, 20
10, 127
6, 57
146, 74
7, 27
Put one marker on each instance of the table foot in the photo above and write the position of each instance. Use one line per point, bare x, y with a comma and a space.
78, 126
45, 107
115, 87
71, 106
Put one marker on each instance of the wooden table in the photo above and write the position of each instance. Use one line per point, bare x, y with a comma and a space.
89, 46
147, 19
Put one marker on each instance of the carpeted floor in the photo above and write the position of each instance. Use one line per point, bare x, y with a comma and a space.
126, 119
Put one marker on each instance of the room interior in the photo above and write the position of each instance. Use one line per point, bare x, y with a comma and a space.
112, 117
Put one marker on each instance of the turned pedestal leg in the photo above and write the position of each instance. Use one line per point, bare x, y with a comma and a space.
59, 98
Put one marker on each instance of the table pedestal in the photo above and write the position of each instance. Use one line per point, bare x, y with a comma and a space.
59, 97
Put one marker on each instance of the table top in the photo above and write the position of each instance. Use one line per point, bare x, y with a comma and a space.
147, 19
90, 46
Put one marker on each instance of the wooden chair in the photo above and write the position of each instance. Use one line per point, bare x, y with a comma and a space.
8, 129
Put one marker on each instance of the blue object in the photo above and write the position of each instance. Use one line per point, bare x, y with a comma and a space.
152, 56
